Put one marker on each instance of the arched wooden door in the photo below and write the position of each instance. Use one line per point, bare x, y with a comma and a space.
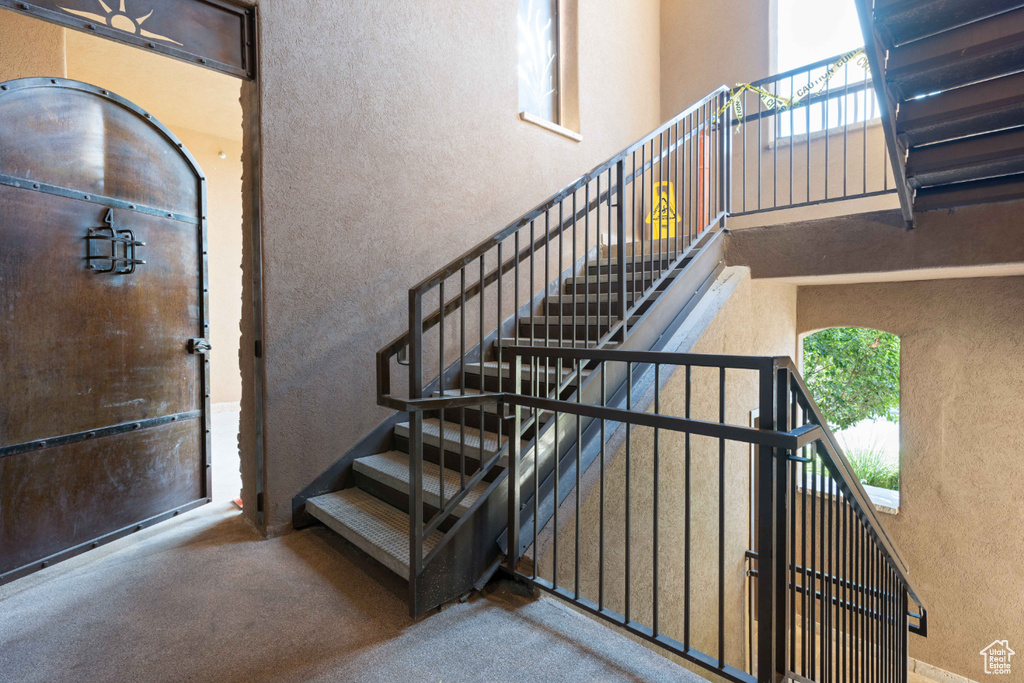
104, 379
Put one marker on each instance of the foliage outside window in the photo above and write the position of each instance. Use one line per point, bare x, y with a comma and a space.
538, 59
854, 375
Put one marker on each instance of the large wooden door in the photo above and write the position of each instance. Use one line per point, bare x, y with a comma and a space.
104, 379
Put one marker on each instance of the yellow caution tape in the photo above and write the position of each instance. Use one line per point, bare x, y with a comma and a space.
779, 103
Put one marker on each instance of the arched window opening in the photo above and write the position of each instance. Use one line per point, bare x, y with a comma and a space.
854, 375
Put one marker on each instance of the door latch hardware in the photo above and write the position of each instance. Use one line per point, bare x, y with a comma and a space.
198, 345
120, 260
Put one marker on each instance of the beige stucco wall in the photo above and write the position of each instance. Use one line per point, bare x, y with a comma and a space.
387, 151
29, 47
741, 316
224, 239
708, 44
961, 521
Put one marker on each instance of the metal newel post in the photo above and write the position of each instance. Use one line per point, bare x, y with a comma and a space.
766, 524
415, 447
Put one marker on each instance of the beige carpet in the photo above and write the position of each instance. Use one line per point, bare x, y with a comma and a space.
200, 598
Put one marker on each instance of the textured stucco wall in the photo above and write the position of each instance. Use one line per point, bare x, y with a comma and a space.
877, 246
708, 44
29, 47
391, 143
741, 316
961, 521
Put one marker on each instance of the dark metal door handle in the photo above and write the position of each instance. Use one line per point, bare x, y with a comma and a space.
198, 345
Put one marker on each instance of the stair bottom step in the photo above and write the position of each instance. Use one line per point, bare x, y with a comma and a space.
373, 526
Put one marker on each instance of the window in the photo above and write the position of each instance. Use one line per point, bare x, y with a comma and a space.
811, 31
854, 376
539, 59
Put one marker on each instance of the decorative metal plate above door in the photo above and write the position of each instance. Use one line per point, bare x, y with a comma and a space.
216, 34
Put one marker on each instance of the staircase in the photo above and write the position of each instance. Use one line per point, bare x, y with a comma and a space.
521, 362
373, 514
952, 77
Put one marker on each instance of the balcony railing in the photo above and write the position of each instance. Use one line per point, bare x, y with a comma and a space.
808, 136
655, 545
664, 194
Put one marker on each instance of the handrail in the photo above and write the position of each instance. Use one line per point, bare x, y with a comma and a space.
845, 472
392, 349
869, 583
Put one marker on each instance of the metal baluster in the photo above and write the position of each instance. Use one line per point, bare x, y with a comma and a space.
600, 558
512, 549
515, 319
557, 500
686, 515
777, 127
657, 489
597, 316
721, 522
828, 122
536, 471
586, 267
415, 444
807, 636
815, 525
462, 383
498, 340
575, 261
483, 316
846, 128
629, 441
760, 146
792, 138
579, 469
743, 127
807, 111
618, 252
441, 386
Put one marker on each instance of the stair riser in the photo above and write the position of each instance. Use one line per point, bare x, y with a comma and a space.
451, 458
906, 22
1000, 167
491, 383
400, 499
567, 309
637, 288
961, 128
491, 421
649, 266
554, 331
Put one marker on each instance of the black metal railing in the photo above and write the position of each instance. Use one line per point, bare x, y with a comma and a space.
573, 276
598, 253
809, 136
661, 504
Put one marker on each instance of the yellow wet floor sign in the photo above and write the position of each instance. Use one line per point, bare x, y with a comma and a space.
663, 217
